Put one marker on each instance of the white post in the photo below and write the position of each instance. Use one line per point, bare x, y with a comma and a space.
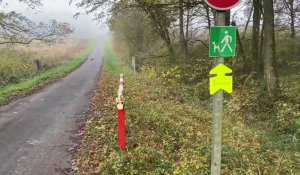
133, 64
120, 98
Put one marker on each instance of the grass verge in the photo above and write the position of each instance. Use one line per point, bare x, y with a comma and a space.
167, 135
10, 92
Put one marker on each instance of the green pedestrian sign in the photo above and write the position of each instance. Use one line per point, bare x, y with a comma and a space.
222, 41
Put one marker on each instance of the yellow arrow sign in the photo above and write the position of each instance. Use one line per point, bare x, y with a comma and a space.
220, 81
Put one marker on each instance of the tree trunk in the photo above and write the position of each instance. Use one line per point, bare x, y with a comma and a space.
247, 23
292, 16
208, 16
187, 27
268, 52
255, 39
260, 57
156, 15
171, 52
227, 17
293, 34
240, 49
181, 26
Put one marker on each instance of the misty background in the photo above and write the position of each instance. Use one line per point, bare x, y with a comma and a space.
60, 10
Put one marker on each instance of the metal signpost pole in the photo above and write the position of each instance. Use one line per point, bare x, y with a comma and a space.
222, 44
217, 112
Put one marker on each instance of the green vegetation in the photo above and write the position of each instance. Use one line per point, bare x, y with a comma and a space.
21, 62
169, 125
12, 91
168, 102
16, 65
112, 63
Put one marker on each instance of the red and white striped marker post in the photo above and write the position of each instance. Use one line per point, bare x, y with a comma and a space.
121, 114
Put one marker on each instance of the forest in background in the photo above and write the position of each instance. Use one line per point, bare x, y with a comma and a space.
171, 37
178, 31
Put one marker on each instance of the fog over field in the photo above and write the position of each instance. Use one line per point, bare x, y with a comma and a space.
61, 11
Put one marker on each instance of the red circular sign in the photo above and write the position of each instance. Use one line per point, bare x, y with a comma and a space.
222, 4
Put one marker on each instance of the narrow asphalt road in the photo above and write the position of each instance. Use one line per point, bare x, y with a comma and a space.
36, 131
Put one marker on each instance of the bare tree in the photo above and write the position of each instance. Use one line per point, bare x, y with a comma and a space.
255, 38
17, 29
289, 6
268, 51
182, 39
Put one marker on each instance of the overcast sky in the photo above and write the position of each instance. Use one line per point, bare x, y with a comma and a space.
61, 11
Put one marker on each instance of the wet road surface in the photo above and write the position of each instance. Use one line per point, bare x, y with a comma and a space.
36, 131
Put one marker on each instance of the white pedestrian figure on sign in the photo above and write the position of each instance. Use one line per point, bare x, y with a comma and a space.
216, 47
227, 40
